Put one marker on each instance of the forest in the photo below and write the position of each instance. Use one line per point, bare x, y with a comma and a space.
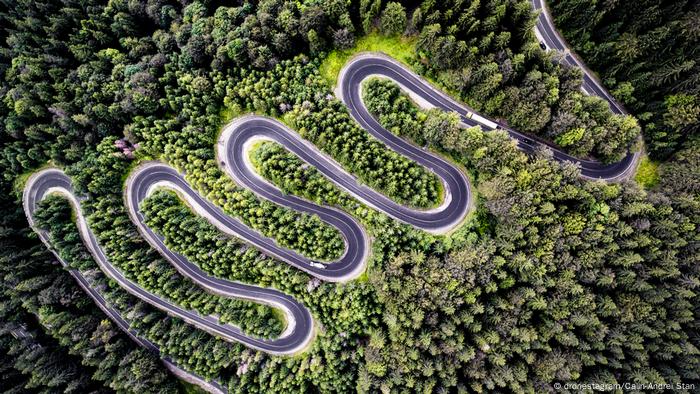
649, 57
552, 278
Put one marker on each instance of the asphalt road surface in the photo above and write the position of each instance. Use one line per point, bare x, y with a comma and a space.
369, 65
232, 151
550, 37
552, 40
53, 180
296, 337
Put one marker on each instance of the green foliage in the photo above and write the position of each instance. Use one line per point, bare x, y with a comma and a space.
101, 344
647, 173
62, 342
401, 48
647, 54
343, 311
38, 363
393, 19
127, 251
571, 137
394, 109
188, 147
566, 265
296, 90
174, 339
487, 53
560, 268
679, 176
293, 176
287, 171
560, 279
32, 360
397, 113
369, 10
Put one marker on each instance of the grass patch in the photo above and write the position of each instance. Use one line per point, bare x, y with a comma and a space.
647, 173
189, 388
21, 180
400, 48
278, 315
251, 154
228, 113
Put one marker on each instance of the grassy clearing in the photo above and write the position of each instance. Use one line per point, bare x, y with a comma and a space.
399, 47
21, 179
189, 388
227, 114
647, 173
257, 145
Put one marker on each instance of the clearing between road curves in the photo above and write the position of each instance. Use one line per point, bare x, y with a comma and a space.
368, 65
299, 329
38, 186
232, 152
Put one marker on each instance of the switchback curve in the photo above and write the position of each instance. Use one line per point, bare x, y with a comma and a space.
297, 335
232, 151
370, 64
59, 183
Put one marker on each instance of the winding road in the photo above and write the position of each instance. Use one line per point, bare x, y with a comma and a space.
232, 155
368, 65
550, 37
38, 186
299, 330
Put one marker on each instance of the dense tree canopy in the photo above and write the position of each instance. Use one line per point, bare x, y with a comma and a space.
561, 266
553, 278
486, 51
647, 53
